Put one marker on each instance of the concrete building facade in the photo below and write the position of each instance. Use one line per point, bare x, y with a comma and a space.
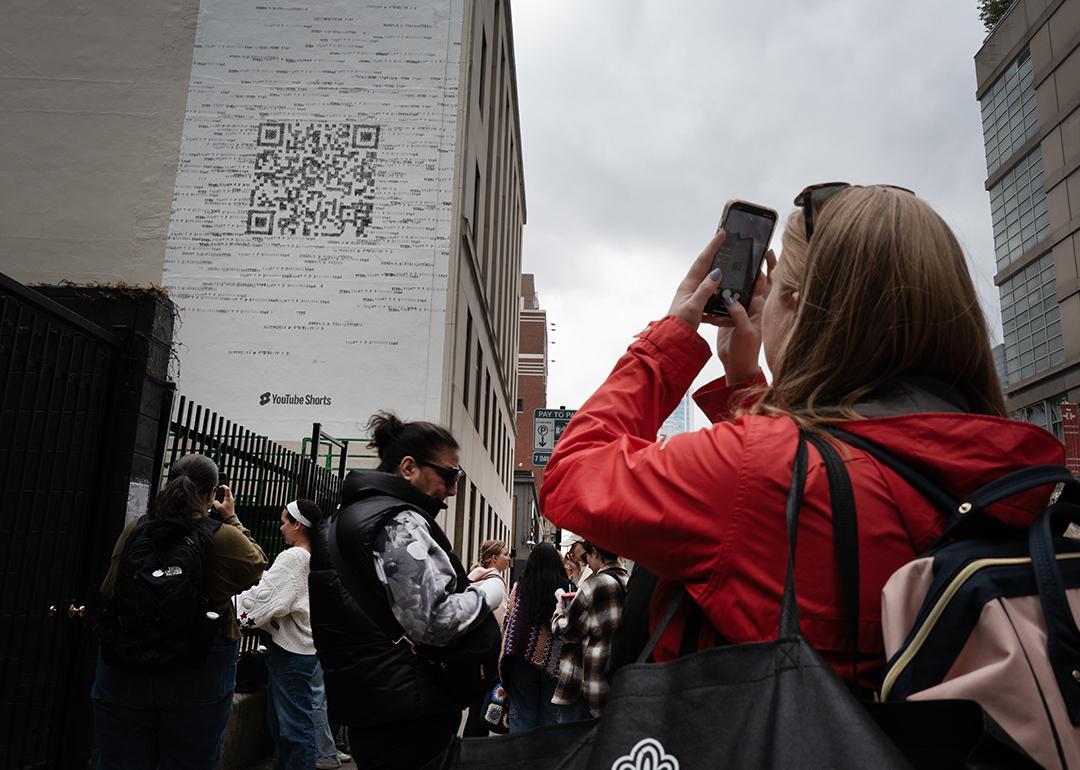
96, 112
1028, 75
480, 386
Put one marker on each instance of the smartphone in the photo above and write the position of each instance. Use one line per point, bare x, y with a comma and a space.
749, 229
223, 481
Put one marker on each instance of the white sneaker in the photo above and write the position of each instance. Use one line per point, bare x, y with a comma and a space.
327, 763
344, 758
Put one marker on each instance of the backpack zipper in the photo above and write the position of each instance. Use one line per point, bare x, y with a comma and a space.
939, 607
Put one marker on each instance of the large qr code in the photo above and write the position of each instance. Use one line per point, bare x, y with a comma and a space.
313, 179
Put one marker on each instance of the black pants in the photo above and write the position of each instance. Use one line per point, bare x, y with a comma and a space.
403, 745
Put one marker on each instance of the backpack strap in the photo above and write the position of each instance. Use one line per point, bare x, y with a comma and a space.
938, 497
1062, 635
845, 524
665, 620
1017, 482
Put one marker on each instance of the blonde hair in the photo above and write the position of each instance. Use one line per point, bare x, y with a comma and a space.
489, 549
884, 292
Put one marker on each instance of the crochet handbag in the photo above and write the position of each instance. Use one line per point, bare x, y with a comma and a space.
497, 710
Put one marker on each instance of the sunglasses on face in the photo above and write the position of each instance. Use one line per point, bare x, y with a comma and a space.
450, 476
812, 198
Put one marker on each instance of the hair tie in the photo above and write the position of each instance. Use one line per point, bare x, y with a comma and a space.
294, 511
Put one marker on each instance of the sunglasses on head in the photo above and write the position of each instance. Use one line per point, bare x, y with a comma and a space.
450, 476
812, 198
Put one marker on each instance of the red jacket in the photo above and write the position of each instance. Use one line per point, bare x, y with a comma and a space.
706, 509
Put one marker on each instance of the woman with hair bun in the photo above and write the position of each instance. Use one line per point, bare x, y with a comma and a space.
388, 592
869, 322
164, 683
279, 605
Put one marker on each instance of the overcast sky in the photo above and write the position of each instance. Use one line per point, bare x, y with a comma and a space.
640, 119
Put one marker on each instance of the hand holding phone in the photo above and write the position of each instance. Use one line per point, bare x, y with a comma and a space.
223, 484
223, 506
748, 228
738, 337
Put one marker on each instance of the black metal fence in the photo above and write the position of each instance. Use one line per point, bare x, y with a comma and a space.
58, 392
262, 474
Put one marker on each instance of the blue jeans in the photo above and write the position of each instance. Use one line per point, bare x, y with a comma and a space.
170, 720
290, 708
529, 690
324, 736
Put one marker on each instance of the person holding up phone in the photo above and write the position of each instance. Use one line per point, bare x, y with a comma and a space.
167, 669
870, 321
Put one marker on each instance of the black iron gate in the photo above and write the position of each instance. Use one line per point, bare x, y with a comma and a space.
58, 375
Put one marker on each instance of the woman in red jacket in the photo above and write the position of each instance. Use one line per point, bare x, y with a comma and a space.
871, 322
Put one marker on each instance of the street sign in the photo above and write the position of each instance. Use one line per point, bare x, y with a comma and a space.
548, 425
540, 459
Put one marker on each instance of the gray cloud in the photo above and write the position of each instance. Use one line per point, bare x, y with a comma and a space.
640, 120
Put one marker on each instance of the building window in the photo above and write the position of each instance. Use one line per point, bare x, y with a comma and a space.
459, 521
468, 359
481, 526
1018, 210
483, 67
487, 409
479, 381
467, 547
1046, 414
476, 210
1009, 117
1031, 320
520, 405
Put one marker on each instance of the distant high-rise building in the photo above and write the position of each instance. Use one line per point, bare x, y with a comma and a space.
1029, 90
679, 421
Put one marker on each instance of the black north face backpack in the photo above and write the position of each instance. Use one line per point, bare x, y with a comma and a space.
159, 616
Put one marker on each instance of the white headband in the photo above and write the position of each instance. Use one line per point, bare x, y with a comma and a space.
294, 511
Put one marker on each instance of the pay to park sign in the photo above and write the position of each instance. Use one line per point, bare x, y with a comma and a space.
548, 425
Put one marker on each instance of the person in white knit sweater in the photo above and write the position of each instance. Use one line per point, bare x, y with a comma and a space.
279, 605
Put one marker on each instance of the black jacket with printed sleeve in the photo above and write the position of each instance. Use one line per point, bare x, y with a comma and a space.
372, 674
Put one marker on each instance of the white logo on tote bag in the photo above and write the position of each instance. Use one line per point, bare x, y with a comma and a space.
647, 754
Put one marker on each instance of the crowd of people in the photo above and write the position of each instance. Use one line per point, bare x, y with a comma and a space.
870, 321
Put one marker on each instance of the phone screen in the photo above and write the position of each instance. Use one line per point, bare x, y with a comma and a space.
749, 229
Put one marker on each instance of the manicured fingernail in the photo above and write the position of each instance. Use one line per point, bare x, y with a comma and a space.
728, 299
716, 274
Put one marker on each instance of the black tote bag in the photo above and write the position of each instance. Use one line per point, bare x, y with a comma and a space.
771, 704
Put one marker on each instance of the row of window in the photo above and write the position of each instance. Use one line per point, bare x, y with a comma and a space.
1031, 321
1018, 210
497, 205
482, 403
1009, 115
474, 522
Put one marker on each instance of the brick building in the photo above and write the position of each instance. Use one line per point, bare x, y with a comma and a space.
532, 372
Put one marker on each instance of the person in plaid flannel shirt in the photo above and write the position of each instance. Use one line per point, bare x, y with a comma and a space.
586, 629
